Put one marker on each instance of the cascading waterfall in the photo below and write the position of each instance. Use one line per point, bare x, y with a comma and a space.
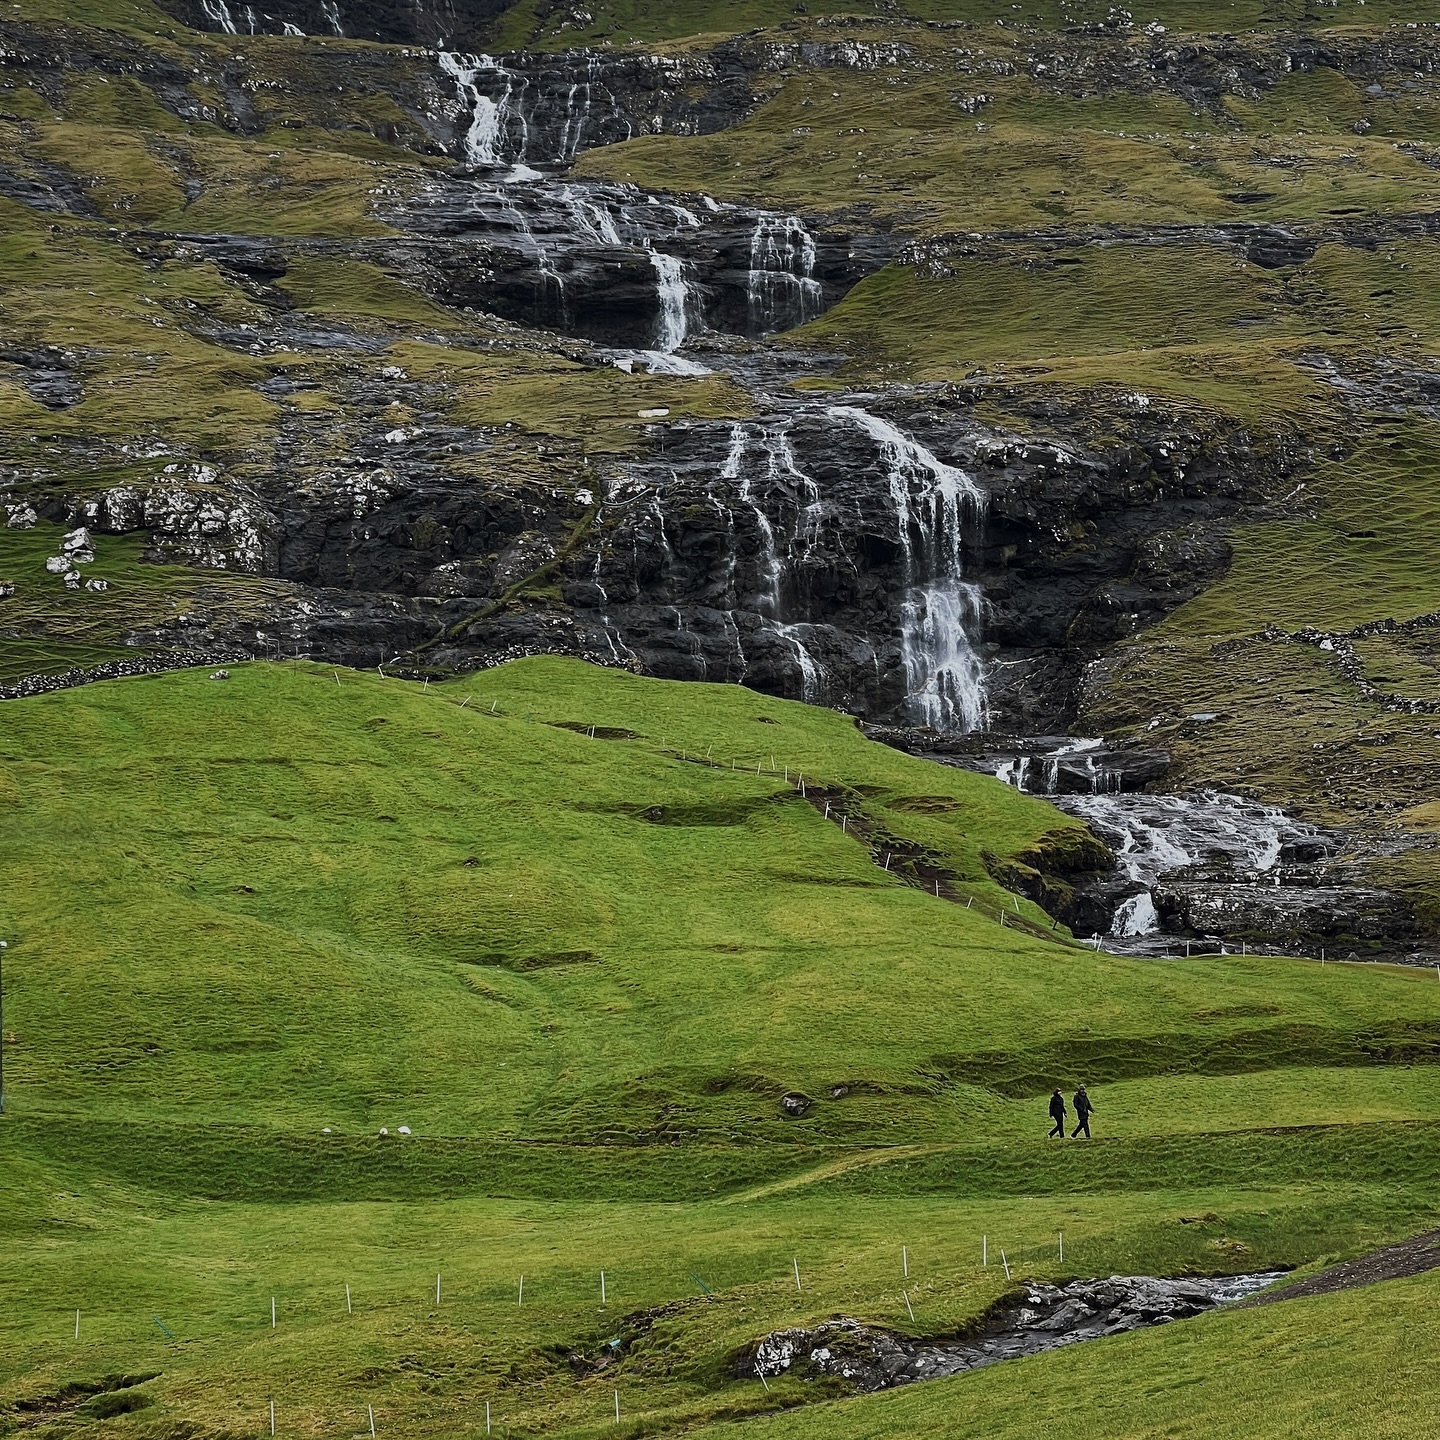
573, 130
218, 13
783, 290
1153, 835
551, 280
331, 11
486, 135
780, 468
593, 221
945, 678
673, 289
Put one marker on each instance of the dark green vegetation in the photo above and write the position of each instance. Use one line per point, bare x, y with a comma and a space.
584, 972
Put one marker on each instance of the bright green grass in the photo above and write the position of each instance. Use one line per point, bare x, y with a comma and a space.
464, 874
583, 971
1335, 1367
209, 1273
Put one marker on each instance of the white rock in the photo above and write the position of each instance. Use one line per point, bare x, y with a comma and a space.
384, 1131
72, 580
22, 517
658, 414
58, 564
97, 585
77, 539
404, 1129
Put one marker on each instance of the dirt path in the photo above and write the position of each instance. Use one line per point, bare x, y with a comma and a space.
853, 1161
1409, 1257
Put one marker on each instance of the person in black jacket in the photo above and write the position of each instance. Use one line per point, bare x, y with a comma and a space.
1083, 1109
1057, 1114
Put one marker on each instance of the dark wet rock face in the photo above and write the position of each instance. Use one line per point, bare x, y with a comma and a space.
397, 21
1045, 1317
49, 375
623, 267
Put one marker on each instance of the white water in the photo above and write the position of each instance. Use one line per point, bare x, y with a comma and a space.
1040, 774
331, 11
485, 136
673, 289
218, 13
590, 219
783, 290
945, 678
781, 468
1153, 835
573, 130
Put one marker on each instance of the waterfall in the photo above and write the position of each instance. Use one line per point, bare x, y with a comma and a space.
780, 464
218, 13
945, 678
550, 277
590, 219
331, 11
782, 289
485, 137
674, 293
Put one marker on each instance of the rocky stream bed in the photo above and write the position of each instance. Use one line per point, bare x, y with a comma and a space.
1043, 1317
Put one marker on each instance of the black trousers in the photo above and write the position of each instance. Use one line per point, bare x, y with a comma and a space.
1082, 1123
1059, 1127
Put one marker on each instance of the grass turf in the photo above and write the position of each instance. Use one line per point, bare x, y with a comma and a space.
583, 971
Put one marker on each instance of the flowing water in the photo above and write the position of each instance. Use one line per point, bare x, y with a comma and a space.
1153, 836
940, 612
775, 512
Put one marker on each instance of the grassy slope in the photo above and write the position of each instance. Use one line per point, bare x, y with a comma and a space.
534, 23
243, 911
1311, 1369
1292, 726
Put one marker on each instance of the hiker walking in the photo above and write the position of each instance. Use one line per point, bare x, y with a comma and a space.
1083, 1107
1057, 1114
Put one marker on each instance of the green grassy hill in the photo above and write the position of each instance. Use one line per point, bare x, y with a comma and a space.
254, 922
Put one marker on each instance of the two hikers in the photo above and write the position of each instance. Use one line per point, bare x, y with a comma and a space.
1083, 1111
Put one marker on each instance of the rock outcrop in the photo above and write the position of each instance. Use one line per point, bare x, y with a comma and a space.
1041, 1317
